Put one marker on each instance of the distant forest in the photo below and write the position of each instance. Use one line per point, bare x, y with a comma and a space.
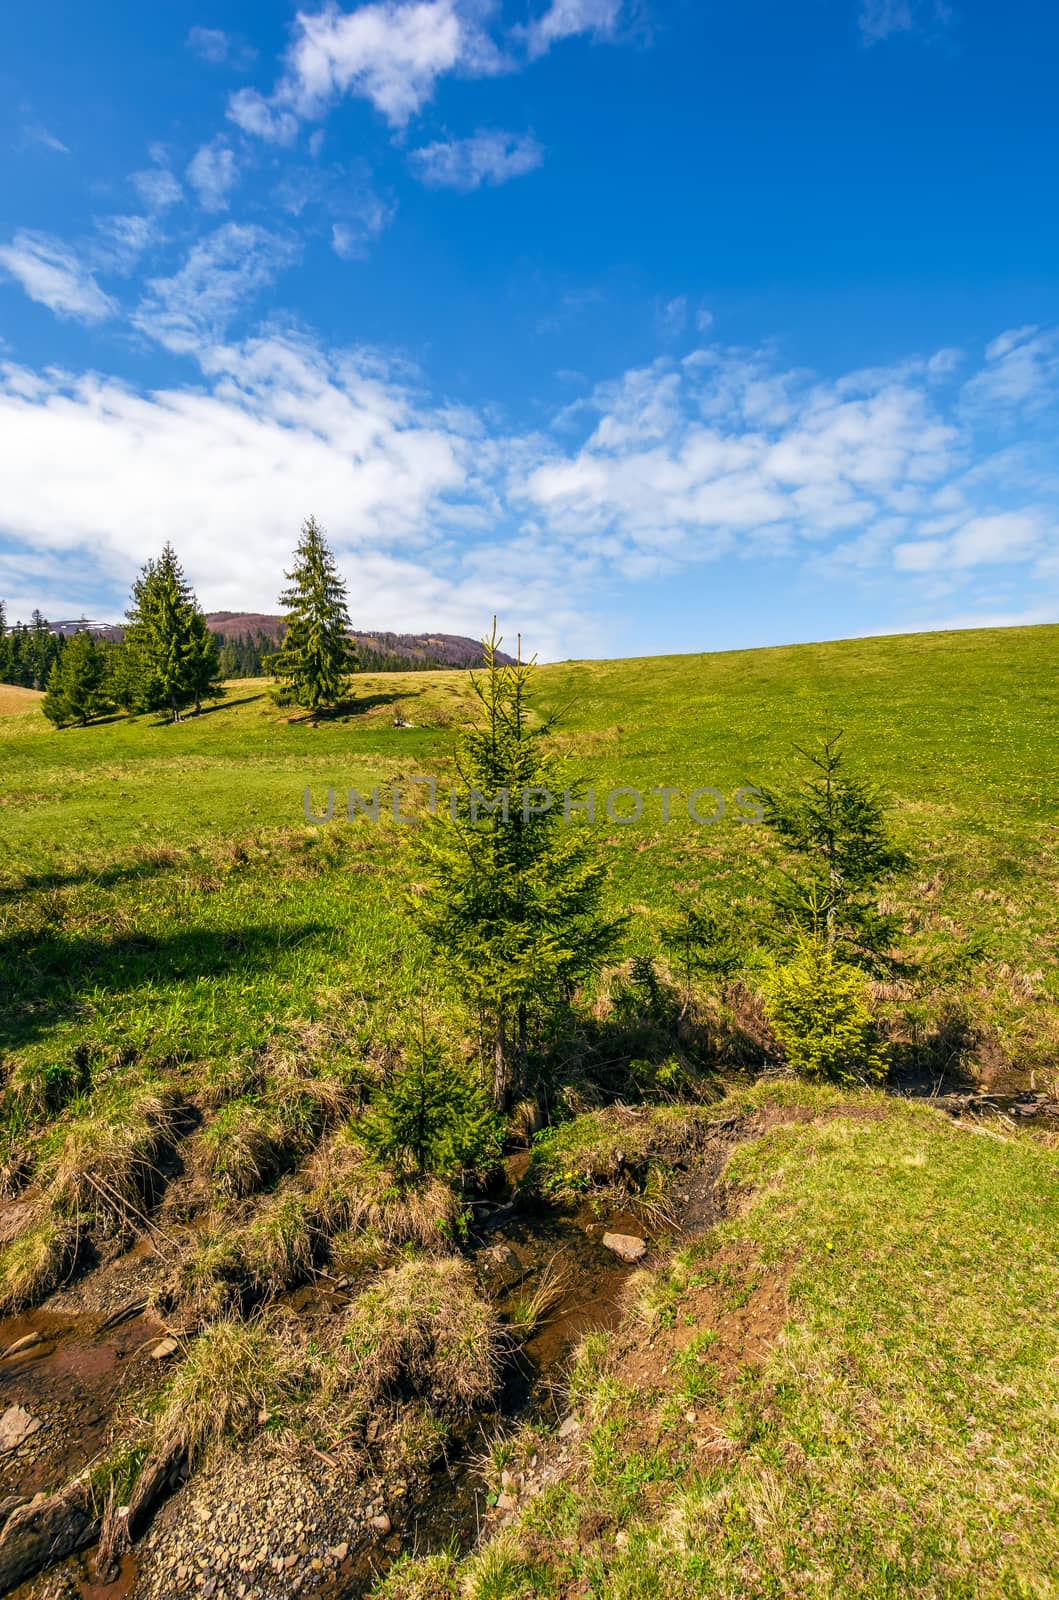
28, 651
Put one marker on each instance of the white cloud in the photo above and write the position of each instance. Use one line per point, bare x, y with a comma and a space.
986, 540
671, 318
880, 19
121, 241
223, 272
157, 187
52, 275
251, 111
36, 133
688, 458
364, 221
210, 43
1021, 371
489, 156
566, 18
212, 173
391, 53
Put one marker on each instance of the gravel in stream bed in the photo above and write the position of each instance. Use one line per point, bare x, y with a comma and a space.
267, 1525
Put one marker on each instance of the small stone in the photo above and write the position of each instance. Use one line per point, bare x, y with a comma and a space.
340, 1551
569, 1427
316, 1564
507, 1502
27, 1342
163, 1349
507, 1480
381, 1524
16, 1426
626, 1245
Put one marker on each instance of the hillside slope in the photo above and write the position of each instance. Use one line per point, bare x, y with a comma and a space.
846, 1387
843, 1382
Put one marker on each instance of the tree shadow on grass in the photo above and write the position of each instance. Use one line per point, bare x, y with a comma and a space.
355, 706
49, 973
148, 866
223, 705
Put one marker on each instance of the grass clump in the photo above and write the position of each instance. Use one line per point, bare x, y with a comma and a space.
422, 1328
349, 1191
211, 1279
620, 1146
233, 1374
40, 1089
254, 1138
245, 1146
106, 1166
281, 1243
533, 1306
35, 1263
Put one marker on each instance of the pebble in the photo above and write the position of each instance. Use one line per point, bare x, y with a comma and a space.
382, 1524
626, 1245
16, 1426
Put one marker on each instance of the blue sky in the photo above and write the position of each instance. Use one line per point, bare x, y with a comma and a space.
648, 324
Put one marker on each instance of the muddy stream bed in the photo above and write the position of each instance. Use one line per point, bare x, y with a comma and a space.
91, 1352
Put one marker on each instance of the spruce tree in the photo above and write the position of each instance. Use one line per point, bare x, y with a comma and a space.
203, 662
836, 826
432, 1115
76, 682
317, 655
513, 899
3, 643
169, 657
41, 652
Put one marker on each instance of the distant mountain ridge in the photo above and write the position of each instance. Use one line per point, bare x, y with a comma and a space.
440, 649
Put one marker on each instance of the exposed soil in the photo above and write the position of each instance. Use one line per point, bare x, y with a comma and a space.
72, 1381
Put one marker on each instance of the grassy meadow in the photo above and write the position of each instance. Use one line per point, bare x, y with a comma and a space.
162, 892
846, 1385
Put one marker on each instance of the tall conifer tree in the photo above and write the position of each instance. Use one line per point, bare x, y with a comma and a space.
513, 904
169, 655
317, 655
76, 684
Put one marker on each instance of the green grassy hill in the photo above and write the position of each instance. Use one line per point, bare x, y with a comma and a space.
836, 1374
147, 858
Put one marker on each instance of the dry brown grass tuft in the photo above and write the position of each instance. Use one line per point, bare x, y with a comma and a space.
35, 1263
211, 1279
422, 1328
233, 1373
281, 1244
243, 1148
108, 1167
534, 1305
348, 1191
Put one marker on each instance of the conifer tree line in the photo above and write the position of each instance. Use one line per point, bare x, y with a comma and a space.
28, 651
169, 661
